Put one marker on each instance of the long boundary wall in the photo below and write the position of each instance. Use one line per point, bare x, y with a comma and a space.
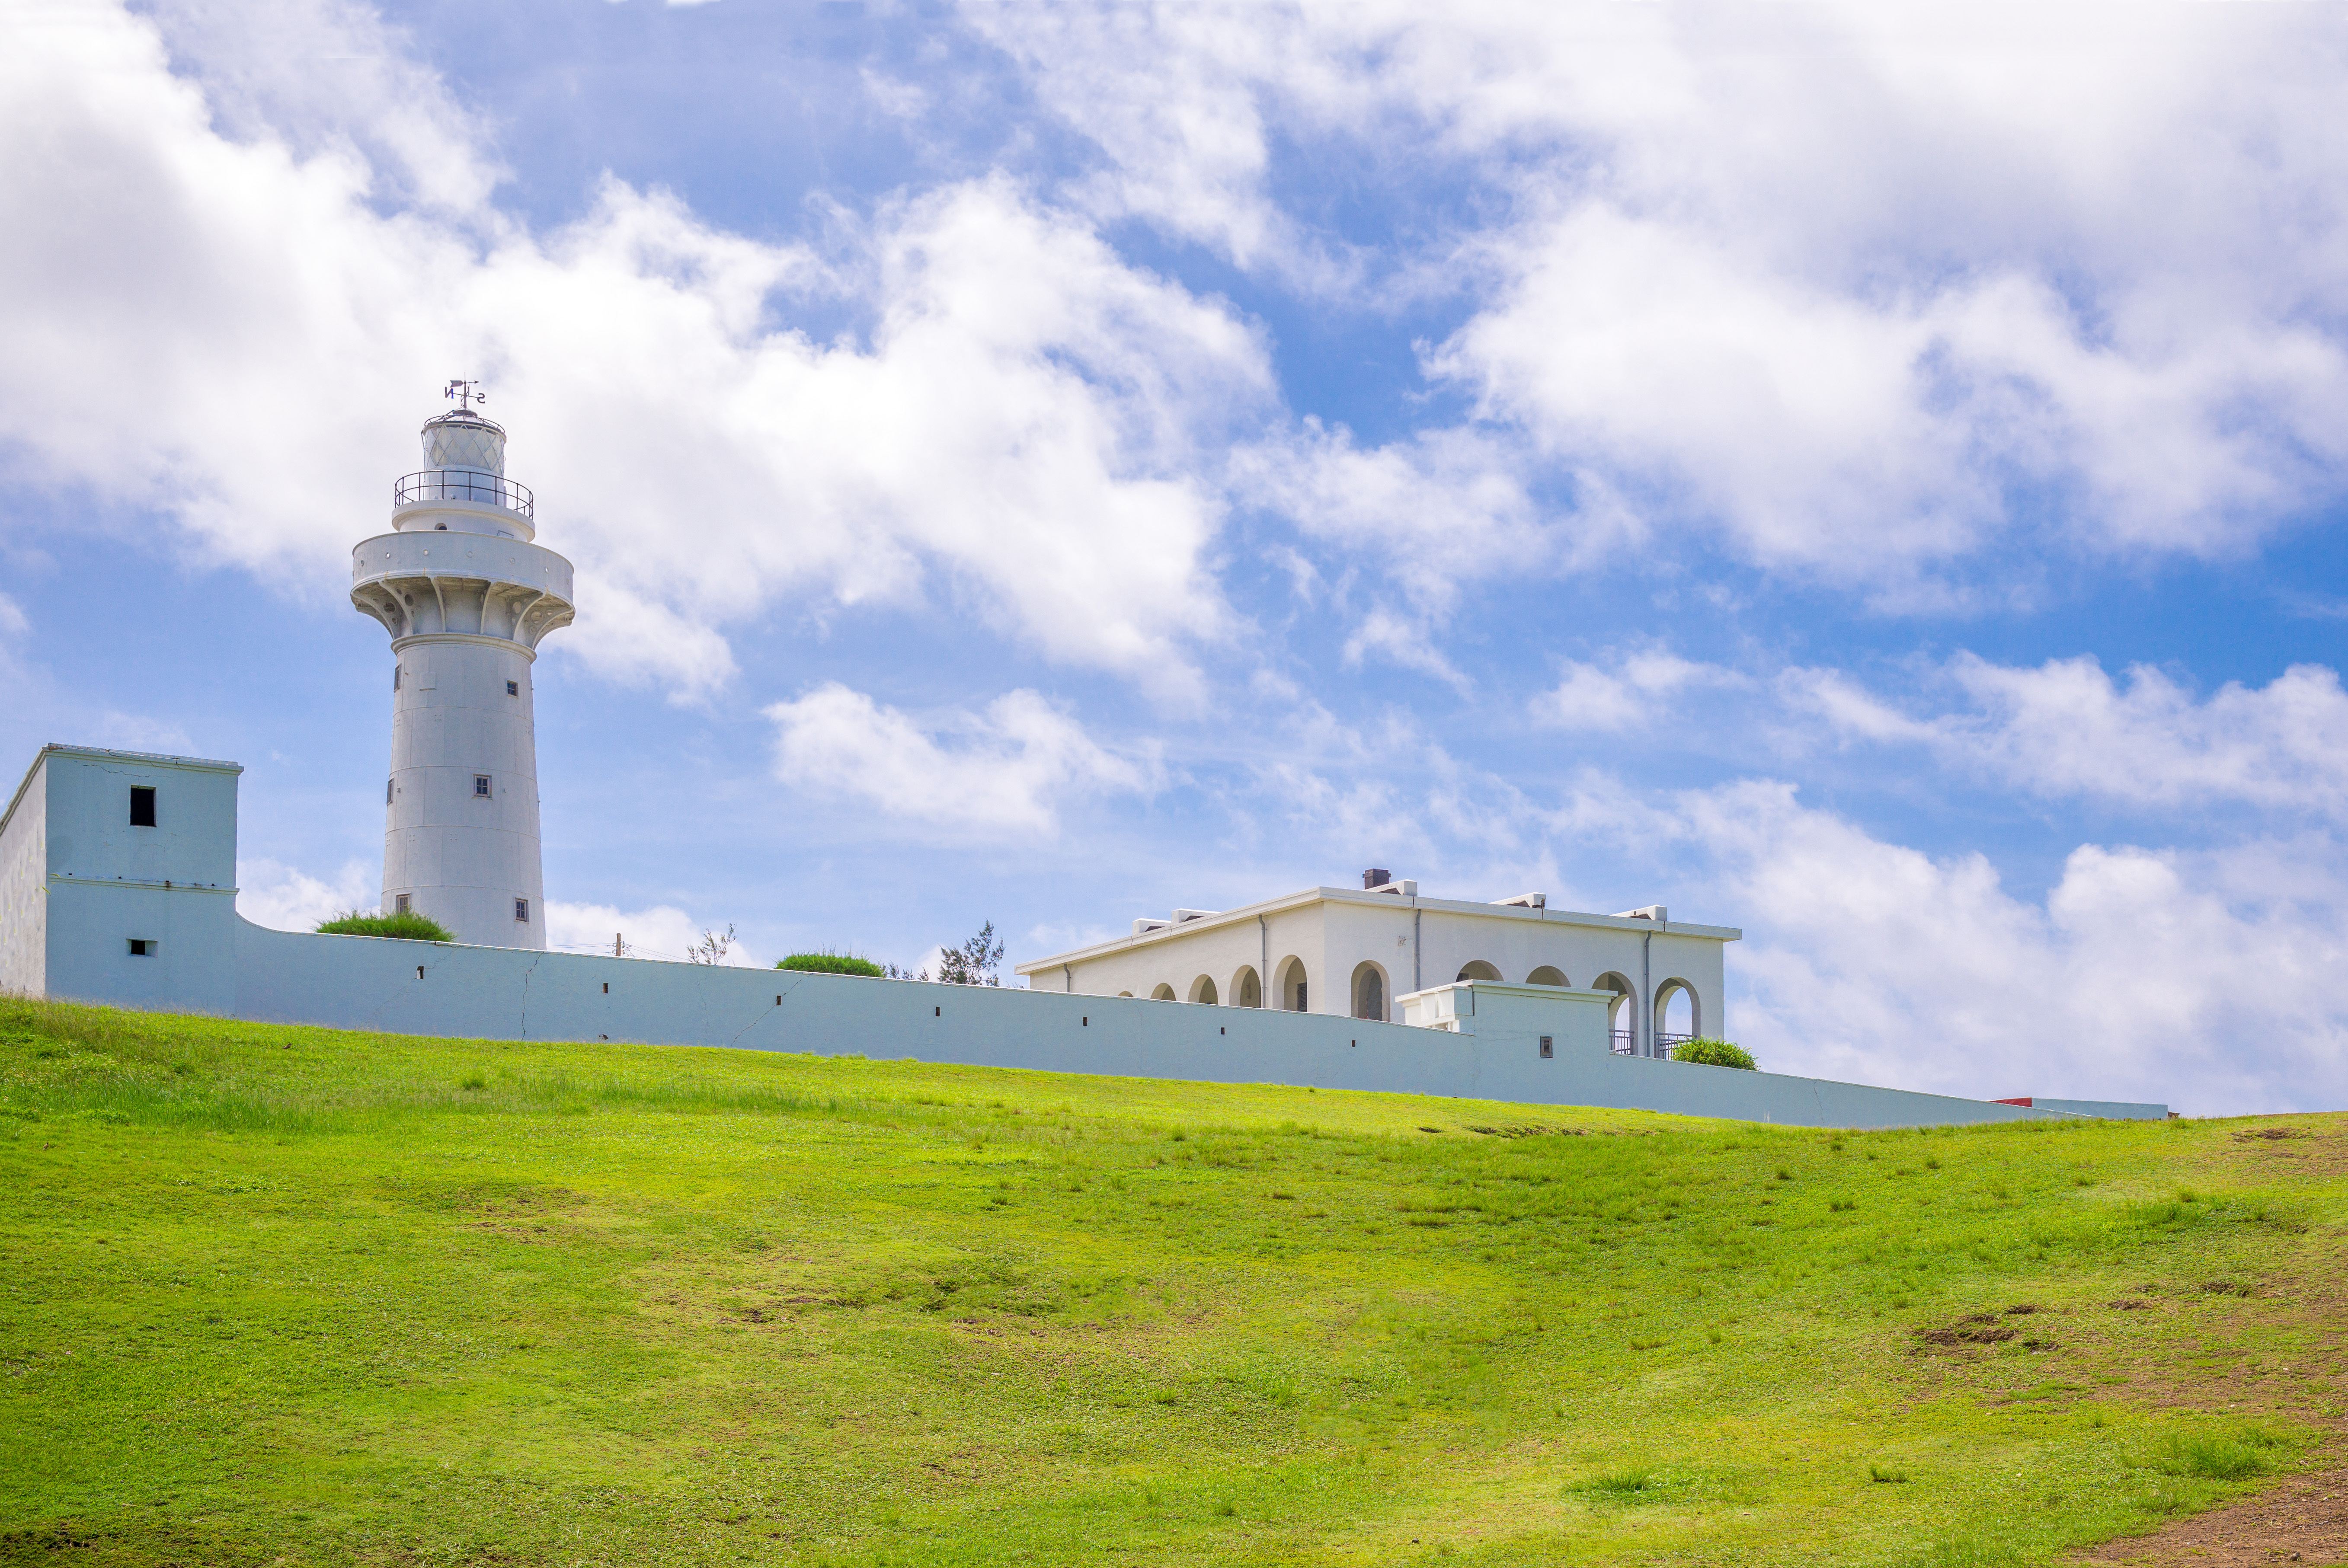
373, 983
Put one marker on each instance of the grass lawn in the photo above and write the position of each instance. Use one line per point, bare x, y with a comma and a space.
297, 1295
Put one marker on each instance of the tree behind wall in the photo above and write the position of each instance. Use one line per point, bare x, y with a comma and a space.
973, 963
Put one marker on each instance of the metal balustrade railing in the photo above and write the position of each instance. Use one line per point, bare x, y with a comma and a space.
463, 485
1667, 1043
1625, 1044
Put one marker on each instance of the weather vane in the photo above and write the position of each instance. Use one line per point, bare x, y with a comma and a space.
462, 391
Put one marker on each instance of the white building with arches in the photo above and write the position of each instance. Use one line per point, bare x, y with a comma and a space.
1381, 951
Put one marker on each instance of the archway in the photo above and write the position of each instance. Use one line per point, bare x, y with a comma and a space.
1164, 993
1477, 970
1203, 989
1620, 1015
1247, 988
1293, 994
1678, 1016
1370, 992
1125, 994
1546, 975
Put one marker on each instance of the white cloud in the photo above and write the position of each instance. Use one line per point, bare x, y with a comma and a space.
287, 898
1875, 291
240, 333
660, 931
2204, 979
1634, 695
1006, 770
2066, 728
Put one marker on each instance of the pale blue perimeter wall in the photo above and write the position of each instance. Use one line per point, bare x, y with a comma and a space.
79, 884
359, 982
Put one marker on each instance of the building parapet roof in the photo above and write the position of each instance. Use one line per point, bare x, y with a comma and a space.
1247, 912
58, 748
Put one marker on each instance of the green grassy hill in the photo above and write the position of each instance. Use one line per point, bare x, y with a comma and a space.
294, 1296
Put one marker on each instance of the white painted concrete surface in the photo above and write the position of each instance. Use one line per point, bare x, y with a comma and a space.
466, 597
1330, 940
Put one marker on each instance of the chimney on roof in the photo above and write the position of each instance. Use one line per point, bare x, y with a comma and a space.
1377, 877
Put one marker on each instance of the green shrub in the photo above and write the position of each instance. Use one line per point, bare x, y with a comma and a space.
832, 964
1714, 1053
411, 928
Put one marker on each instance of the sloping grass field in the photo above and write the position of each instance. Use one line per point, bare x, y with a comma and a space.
292, 1296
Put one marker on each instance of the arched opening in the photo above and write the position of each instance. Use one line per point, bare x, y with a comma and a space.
1164, 993
1127, 995
1246, 989
1370, 991
1203, 989
1678, 1020
1620, 1015
1477, 970
1293, 997
1546, 975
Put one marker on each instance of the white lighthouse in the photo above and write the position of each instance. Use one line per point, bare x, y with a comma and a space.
465, 595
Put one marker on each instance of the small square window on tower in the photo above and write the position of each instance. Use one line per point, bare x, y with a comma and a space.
481, 786
521, 910
400, 904
513, 688
1547, 1049
142, 947
142, 805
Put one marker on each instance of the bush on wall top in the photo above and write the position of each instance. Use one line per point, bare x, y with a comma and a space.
410, 926
1714, 1053
832, 964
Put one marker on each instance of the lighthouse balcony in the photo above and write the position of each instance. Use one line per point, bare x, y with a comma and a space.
471, 486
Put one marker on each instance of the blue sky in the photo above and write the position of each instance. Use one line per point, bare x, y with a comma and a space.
1868, 478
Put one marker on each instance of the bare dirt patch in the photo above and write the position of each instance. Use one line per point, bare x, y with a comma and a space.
2302, 1519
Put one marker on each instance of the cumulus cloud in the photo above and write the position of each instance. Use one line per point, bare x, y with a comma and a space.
239, 330
659, 931
1635, 692
287, 898
1008, 769
2201, 979
2066, 728
1874, 292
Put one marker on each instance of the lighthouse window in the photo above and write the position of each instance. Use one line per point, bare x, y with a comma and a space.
400, 904
395, 677
141, 948
481, 785
513, 688
142, 805
521, 910
386, 792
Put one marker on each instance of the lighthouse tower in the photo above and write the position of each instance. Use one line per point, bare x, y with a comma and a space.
465, 595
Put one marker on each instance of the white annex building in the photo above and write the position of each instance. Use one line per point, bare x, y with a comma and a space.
1385, 953
466, 596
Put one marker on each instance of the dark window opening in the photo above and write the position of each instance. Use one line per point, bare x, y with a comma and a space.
400, 904
386, 792
141, 948
513, 688
1546, 1049
142, 805
607, 987
395, 677
480, 787
521, 910
419, 971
